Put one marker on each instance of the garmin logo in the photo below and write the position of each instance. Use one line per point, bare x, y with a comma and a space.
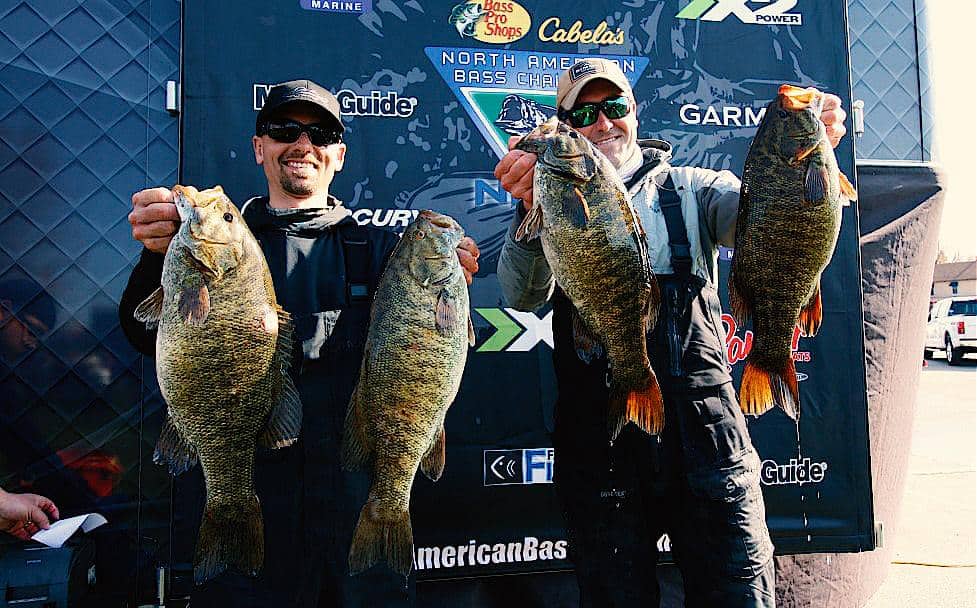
793, 473
720, 116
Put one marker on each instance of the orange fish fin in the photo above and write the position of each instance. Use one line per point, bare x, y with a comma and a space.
432, 465
531, 225
755, 394
173, 449
810, 317
446, 314
847, 189
645, 408
231, 535
577, 209
379, 536
194, 305
760, 390
150, 310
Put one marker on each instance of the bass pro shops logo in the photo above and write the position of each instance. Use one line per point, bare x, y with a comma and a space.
491, 21
774, 12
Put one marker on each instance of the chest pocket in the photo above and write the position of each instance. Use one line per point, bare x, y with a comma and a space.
342, 330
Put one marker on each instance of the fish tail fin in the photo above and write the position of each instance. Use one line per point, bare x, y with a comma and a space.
378, 537
810, 317
230, 535
645, 408
760, 389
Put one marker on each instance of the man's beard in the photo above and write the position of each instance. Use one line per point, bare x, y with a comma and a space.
298, 187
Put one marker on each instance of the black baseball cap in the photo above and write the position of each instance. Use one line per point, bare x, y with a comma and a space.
294, 91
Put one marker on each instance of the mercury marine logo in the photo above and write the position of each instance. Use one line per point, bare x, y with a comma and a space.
384, 218
514, 467
337, 6
793, 473
772, 12
527, 549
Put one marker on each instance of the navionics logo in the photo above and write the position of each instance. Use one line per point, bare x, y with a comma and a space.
773, 12
529, 549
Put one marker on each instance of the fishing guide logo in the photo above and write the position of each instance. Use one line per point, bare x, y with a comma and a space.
772, 12
492, 21
389, 104
795, 472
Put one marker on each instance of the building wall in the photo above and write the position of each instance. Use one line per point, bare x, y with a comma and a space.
82, 126
964, 288
890, 73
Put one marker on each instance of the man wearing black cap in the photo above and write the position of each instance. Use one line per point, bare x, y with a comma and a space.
699, 480
325, 269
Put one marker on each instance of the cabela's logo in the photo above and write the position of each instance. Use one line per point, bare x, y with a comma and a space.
490, 21
552, 30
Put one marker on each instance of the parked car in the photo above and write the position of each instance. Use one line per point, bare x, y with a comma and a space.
952, 327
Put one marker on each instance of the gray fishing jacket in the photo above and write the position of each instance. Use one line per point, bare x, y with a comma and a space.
710, 200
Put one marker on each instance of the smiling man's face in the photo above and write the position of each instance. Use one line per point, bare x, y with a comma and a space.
615, 138
299, 170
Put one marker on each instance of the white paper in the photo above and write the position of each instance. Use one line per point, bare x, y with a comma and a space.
63, 529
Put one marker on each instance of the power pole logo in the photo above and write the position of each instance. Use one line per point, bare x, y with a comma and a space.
774, 12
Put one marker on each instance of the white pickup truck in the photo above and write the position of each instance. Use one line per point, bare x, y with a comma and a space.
952, 327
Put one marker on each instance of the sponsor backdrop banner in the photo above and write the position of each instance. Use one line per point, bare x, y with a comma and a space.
431, 92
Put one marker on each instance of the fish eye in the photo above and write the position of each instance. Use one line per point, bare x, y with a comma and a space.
782, 113
228, 217
418, 235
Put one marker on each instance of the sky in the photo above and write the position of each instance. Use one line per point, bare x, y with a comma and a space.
953, 58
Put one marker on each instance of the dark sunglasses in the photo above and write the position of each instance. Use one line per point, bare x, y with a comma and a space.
289, 131
585, 114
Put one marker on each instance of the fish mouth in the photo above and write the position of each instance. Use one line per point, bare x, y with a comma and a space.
796, 98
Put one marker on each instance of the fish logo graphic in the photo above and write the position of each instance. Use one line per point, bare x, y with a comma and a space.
465, 18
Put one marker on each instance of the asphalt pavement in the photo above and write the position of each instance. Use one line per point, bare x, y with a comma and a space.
934, 542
